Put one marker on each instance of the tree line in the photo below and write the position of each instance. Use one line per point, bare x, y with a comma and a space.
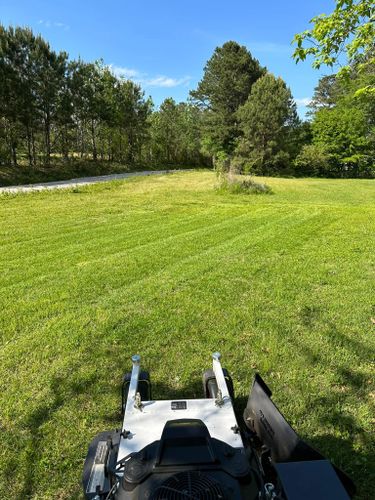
240, 117
53, 108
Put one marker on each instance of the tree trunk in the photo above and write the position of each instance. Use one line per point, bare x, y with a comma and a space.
109, 145
11, 143
47, 136
82, 146
120, 145
131, 147
33, 147
14, 153
29, 147
94, 151
102, 145
65, 143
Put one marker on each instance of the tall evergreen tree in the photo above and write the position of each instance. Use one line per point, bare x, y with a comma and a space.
268, 120
228, 77
133, 111
325, 94
18, 88
49, 68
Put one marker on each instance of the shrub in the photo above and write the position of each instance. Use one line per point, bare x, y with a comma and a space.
312, 161
359, 165
237, 185
227, 170
221, 163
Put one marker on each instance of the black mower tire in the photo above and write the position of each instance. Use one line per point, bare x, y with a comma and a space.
210, 388
144, 387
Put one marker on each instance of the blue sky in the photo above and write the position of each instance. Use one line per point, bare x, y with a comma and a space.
164, 44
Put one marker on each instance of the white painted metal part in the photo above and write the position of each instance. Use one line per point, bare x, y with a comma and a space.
146, 425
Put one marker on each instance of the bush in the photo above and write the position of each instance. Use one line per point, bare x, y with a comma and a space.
358, 165
221, 164
237, 185
228, 169
313, 161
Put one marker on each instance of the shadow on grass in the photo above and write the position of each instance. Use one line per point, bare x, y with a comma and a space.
353, 449
63, 390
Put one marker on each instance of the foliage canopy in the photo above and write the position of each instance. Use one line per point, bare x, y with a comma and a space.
227, 80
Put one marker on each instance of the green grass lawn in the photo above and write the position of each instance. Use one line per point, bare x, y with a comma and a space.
164, 266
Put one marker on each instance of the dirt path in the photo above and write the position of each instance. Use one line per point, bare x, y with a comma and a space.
78, 182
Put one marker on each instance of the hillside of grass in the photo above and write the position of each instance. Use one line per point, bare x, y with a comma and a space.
167, 267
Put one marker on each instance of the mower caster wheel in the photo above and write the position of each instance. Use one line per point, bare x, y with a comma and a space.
144, 388
210, 388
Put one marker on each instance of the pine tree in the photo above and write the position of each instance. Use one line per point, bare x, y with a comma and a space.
267, 120
228, 77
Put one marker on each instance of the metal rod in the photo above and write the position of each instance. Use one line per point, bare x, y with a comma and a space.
219, 375
133, 386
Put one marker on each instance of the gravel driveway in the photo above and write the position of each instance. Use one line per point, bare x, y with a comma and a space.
79, 182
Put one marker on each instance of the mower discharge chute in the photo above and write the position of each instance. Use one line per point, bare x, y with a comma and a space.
194, 449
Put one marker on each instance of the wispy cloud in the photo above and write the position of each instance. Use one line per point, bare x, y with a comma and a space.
166, 81
123, 72
146, 80
53, 24
302, 101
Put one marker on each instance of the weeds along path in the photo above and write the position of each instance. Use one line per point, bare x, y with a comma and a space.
82, 181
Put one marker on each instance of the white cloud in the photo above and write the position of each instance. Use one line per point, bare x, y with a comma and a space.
121, 71
145, 79
165, 81
302, 101
53, 24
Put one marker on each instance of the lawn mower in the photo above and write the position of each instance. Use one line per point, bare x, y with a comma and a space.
187, 449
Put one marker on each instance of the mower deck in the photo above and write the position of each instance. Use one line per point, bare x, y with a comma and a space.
144, 421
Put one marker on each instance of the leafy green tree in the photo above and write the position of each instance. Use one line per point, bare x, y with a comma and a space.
267, 120
349, 29
314, 161
49, 74
343, 107
342, 131
346, 127
190, 138
166, 131
88, 102
53, 106
228, 77
176, 134
356, 88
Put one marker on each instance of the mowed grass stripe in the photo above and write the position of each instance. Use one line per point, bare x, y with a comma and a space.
191, 264
160, 258
93, 238
110, 291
